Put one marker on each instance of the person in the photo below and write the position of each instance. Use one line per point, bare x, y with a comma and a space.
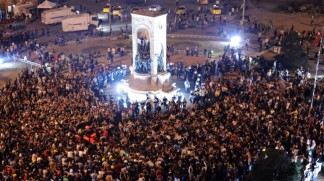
81, 133
247, 43
269, 74
308, 49
209, 55
187, 85
259, 36
308, 173
316, 56
77, 41
187, 51
312, 20
156, 104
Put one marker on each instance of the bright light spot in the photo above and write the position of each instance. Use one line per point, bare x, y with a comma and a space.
1, 61
119, 88
8, 65
237, 55
235, 40
250, 59
182, 96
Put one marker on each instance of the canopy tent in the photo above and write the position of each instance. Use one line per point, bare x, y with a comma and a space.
46, 5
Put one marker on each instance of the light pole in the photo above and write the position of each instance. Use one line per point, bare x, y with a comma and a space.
243, 15
316, 70
109, 17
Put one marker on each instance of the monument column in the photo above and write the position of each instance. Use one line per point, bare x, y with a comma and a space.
149, 29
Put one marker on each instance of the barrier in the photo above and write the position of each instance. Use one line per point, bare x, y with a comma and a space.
261, 53
197, 37
116, 37
29, 62
89, 39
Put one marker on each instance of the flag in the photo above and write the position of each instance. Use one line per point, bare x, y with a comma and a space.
317, 39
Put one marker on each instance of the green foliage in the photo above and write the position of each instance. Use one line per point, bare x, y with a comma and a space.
292, 39
292, 55
274, 165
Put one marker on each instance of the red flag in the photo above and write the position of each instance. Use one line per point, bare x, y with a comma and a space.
317, 39
86, 138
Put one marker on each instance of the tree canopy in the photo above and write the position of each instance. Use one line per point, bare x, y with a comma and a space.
275, 165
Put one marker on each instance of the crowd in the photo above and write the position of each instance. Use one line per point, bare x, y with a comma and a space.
14, 43
64, 126
57, 122
143, 61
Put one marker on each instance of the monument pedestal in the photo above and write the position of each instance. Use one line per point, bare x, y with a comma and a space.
138, 86
149, 56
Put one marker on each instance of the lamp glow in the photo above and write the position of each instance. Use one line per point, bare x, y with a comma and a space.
120, 88
236, 40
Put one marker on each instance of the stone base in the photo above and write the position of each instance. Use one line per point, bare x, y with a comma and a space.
140, 96
138, 86
145, 82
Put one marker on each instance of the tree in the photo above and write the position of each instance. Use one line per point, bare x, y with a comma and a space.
293, 55
275, 165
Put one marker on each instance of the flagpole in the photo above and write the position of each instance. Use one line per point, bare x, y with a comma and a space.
316, 69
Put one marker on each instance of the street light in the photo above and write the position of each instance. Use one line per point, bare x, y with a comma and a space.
107, 9
110, 21
243, 15
236, 40
316, 68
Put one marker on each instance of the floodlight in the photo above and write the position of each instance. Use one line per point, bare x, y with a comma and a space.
119, 88
235, 40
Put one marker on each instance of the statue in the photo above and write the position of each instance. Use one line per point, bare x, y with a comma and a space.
161, 61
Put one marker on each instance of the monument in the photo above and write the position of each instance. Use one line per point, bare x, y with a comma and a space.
148, 71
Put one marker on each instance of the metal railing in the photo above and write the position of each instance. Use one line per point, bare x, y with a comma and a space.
197, 37
28, 62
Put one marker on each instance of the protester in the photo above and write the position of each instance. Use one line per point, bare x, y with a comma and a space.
57, 122
66, 127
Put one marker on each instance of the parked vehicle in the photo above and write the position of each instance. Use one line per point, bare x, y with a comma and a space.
80, 22
106, 9
204, 2
135, 9
216, 10
305, 7
54, 16
118, 11
26, 8
155, 8
181, 10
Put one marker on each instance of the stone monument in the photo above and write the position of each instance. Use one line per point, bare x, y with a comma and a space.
148, 73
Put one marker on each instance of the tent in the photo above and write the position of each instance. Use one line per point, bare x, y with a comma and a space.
46, 5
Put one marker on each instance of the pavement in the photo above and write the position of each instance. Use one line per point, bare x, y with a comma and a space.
184, 38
